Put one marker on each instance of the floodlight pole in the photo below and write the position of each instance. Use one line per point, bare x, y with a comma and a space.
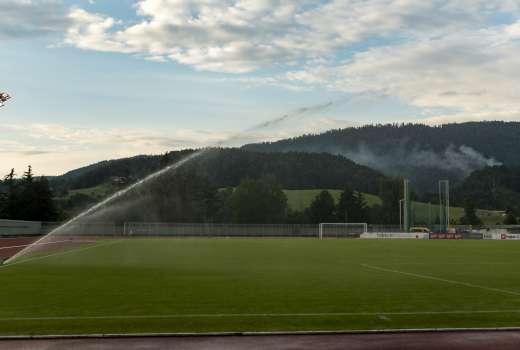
444, 205
430, 215
401, 214
407, 207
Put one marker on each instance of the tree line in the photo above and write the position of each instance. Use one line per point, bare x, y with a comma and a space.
492, 188
27, 198
188, 196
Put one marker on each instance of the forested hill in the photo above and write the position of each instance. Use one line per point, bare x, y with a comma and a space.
493, 187
132, 168
227, 167
422, 153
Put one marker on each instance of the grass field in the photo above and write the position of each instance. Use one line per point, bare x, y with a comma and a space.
99, 191
198, 285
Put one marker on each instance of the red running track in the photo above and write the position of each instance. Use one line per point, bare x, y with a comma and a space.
461, 340
11, 246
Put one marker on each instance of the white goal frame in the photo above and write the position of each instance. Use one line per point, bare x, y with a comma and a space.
364, 225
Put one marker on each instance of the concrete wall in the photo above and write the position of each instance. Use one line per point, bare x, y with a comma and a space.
19, 228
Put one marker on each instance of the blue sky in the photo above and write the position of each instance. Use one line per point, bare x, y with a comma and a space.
94, 80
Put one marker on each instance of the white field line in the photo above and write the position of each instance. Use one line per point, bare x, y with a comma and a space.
460, 283
258, 333
60, 253
36, 244
251, 315
454, 263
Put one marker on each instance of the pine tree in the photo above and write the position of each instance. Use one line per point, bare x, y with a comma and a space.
259, 201
470, 214
510, 219
42, 206
352, 207
322, 208
9, 207
9, 178
28, 175
28, 199
391, 191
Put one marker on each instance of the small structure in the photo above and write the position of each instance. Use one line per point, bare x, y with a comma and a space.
4, 97
119, 180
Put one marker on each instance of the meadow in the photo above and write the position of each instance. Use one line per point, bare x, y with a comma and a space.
302, 199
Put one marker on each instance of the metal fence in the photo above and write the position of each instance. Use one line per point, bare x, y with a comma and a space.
218, 230
12, 228
9, 228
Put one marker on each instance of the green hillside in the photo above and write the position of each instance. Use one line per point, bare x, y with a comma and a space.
99, 191
423, 212
228, 167
301, 199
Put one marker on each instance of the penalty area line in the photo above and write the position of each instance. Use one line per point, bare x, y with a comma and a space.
102, 244
252, 315
427, 277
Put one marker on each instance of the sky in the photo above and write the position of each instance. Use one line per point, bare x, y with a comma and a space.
101, 79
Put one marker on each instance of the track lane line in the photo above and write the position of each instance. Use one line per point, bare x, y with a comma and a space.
102, 244
56, 242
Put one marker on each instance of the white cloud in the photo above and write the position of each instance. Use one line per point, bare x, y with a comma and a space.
474, 74
77, 137
90, 31
449, 58
58, 148
276, 81
246, 35
435, 55
28, 18
159, 59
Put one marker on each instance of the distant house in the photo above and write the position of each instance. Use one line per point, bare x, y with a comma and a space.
118, 180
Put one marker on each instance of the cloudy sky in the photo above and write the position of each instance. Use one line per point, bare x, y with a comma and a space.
101, 79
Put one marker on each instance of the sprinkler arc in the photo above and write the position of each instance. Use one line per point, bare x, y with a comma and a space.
297, 113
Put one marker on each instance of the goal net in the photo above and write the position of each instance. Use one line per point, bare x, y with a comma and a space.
342, 229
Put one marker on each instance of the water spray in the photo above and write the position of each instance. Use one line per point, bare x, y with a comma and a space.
286, 117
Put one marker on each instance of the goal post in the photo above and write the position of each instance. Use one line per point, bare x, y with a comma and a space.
342, 229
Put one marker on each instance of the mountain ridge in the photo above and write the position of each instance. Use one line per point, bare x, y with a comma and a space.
420, 152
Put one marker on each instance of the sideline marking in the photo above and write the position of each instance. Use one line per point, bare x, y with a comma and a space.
101, 244
68, 241
471, 285
454, 263
393, 331
310, 314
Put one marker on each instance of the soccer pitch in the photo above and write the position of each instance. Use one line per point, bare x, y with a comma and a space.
262, 284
